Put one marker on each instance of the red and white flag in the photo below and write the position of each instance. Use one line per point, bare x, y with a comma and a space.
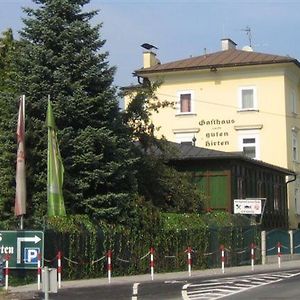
20, 200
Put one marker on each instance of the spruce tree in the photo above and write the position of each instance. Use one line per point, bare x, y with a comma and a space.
8, 119
61, 55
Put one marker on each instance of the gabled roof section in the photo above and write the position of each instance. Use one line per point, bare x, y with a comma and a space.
189, 152
221, 59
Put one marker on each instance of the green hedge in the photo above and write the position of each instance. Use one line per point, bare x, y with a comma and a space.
84, 244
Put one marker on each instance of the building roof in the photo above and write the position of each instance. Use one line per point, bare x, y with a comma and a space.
190, 152
221, 59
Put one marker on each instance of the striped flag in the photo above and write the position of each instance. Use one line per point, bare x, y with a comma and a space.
20, 200
55, 170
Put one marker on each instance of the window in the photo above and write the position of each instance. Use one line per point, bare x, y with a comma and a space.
240, 188
276, 197
185, 138
247, 98
293, 101
259, 188
297, 201
249, 145
294, 146
185, 102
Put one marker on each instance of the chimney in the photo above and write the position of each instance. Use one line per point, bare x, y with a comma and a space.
149, 59
228, 44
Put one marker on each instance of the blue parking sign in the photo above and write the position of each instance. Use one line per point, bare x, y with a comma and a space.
31, 255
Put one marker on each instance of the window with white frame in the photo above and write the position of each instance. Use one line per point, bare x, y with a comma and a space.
297, 200
185, 102
295, 146
249, 144
293, 100
247, 98
185, 138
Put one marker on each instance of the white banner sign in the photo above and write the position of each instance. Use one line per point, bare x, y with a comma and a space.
247, 206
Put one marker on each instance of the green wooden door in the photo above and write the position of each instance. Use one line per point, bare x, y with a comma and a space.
215, 185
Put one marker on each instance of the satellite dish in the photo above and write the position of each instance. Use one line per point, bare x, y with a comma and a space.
247, 48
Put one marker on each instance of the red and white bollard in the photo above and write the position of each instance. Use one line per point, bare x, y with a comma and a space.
7, 257
252, 256
39, 271
223, 258
59, 268
189, 260
279, 254
152, 262
109, 254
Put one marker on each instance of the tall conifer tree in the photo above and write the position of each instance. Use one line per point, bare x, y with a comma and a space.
61, 56
8, 121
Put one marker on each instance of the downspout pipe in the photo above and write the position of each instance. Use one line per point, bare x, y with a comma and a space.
289, 181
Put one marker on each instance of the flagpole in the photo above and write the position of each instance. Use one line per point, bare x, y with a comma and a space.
21, 222
22, 216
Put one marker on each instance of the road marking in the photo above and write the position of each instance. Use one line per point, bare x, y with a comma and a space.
184, 292
175, 281
208, 290
135, 291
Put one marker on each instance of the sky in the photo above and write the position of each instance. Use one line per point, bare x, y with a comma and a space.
181, 28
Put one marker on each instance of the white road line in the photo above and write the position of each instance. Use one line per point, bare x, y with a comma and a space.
184, 292
210, 284
135, 291
222, 288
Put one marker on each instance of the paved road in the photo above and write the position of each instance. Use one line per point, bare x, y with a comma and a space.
287, 289
248, 286
177, 285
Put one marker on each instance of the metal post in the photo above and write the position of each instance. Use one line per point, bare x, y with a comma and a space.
223, 258
109, 254
279, 254
46, 283
263, 247
291, 242
22, 222
59, 269
39, 271
252, 256
6, 271
189, 250
152, 262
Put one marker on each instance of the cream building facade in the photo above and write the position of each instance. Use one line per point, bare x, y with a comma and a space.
233, 100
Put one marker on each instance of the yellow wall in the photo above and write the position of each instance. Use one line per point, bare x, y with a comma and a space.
216, 100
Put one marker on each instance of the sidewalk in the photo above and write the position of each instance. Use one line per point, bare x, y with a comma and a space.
30, 291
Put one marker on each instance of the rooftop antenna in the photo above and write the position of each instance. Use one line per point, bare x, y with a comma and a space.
248, 33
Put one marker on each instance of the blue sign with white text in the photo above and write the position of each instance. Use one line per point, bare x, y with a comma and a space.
31, 255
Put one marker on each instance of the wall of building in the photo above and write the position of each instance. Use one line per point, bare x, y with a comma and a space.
218, 123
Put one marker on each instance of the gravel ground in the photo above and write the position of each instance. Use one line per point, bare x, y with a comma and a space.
19, 295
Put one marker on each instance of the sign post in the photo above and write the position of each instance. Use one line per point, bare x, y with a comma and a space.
23, 247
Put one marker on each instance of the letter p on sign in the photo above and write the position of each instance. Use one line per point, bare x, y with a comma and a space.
31, 255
